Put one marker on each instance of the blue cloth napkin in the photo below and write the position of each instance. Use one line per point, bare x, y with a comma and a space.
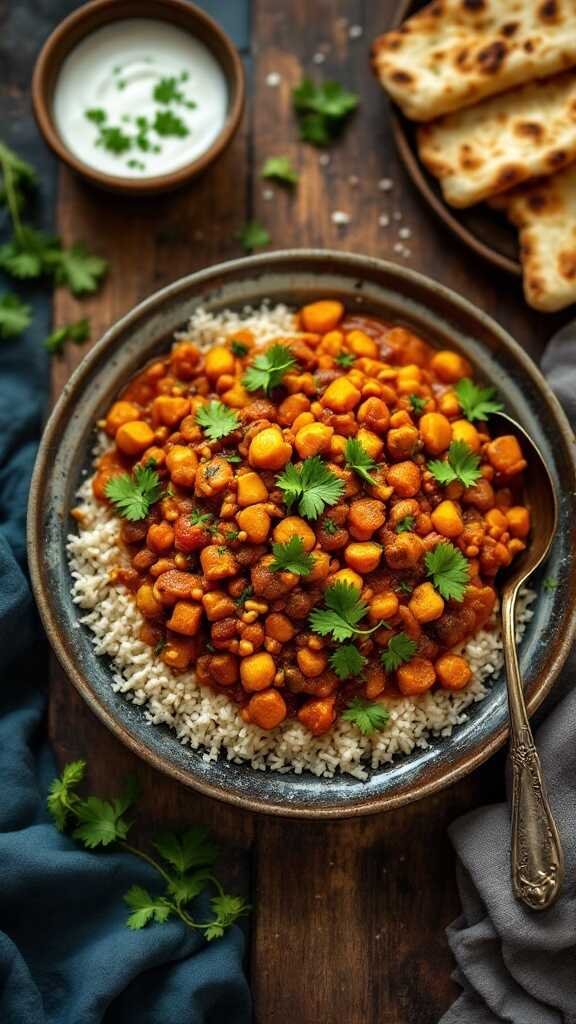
66, 956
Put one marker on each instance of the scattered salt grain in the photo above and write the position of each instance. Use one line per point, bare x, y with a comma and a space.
398, 247
385, 184
267, 194
339, 217
319, 58
353, 181
355, 31
404, 233
273, 79
384, 220
397, 215
324, 159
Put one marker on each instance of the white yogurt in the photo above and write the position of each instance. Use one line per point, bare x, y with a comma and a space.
115, 72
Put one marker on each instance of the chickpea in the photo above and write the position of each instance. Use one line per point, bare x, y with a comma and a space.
404, 551
383, 606
426, 604
436, 432
362, 345
453, 671
269, 450
256, 523
518, 518
311, 663
279, 627
251, 490
213, 477
321, 317
341, 396
119, 414
462, 430
134, 437
353, 579
147, 603
366, 515
505, 454
160, 538
416, 677
257, 671
318, 715
375, 414
217, 562
267, 709
291, 527
447, 519
182, 464
480, 495
450, 366
217, 605
291, 407
168, 410
320, 569
405, 478
217, 361
371, 443
313, 439
223, 669
363, 557
402, 441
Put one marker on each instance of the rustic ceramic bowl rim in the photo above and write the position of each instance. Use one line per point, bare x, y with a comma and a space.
401, 128
345, 262
84, 17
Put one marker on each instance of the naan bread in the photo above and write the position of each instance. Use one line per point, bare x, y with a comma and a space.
483, 150
545, 214
455, 52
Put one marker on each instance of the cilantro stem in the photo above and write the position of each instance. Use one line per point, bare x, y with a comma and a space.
145, 856
11, 199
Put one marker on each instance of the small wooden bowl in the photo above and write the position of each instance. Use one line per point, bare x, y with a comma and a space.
95, 15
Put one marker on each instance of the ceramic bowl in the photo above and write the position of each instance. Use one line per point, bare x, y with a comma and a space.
367, 286
95, 15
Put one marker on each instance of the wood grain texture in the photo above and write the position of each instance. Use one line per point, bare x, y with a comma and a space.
349, 916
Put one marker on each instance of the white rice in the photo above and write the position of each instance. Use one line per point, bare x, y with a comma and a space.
207, 721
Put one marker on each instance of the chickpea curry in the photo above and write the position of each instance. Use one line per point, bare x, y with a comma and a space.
313, 526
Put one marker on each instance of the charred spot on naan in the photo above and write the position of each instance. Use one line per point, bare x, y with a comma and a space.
510, 28
491, 57
549, 11
567, 264
530, 129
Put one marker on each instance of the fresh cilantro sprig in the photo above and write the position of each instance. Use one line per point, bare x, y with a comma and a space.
168, 124
280, 168
19, 178
368, 716
347, 661
217, 420
198, 518
15, 315
344, 610
322, 110
185, 868
476, 403
461, 463
238, 348
449, 570
405, 525
345, 360
133, 495
417, 404
291, 557
399, 649
77, 333
312, 485
358, 459
253, 235
550, 584
267, 370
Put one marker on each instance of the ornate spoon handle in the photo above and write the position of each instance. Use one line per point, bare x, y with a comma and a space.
537, 858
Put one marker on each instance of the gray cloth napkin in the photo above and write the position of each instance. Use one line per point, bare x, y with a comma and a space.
515, 965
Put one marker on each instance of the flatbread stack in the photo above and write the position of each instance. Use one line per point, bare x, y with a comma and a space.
493, 85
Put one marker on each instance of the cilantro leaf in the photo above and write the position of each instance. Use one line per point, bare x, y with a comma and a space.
369, 716
77, 333
400, 648
60, 796
167, 123
347, 661
476, 403
461, 464
417, 403
312, 485
358, 459
18, 176
322, 110
550, 583
77, 268
238, 348
217, 420
405, 525
145, 908
101, 821
192, 849
449, 570
198, 518
15, 315
280, 168
24, 256
227, 910
96, 115
167, 91
133, 495
253, 236
345, 360
291, 557
344, 610
268, 369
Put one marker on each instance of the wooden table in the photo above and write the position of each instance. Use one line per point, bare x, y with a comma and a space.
349, 916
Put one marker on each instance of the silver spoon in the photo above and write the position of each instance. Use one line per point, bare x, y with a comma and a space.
537, 861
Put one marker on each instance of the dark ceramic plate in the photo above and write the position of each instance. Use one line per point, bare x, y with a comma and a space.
373, 287
484, 230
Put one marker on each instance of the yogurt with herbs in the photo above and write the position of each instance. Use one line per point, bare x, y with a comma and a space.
140, 98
